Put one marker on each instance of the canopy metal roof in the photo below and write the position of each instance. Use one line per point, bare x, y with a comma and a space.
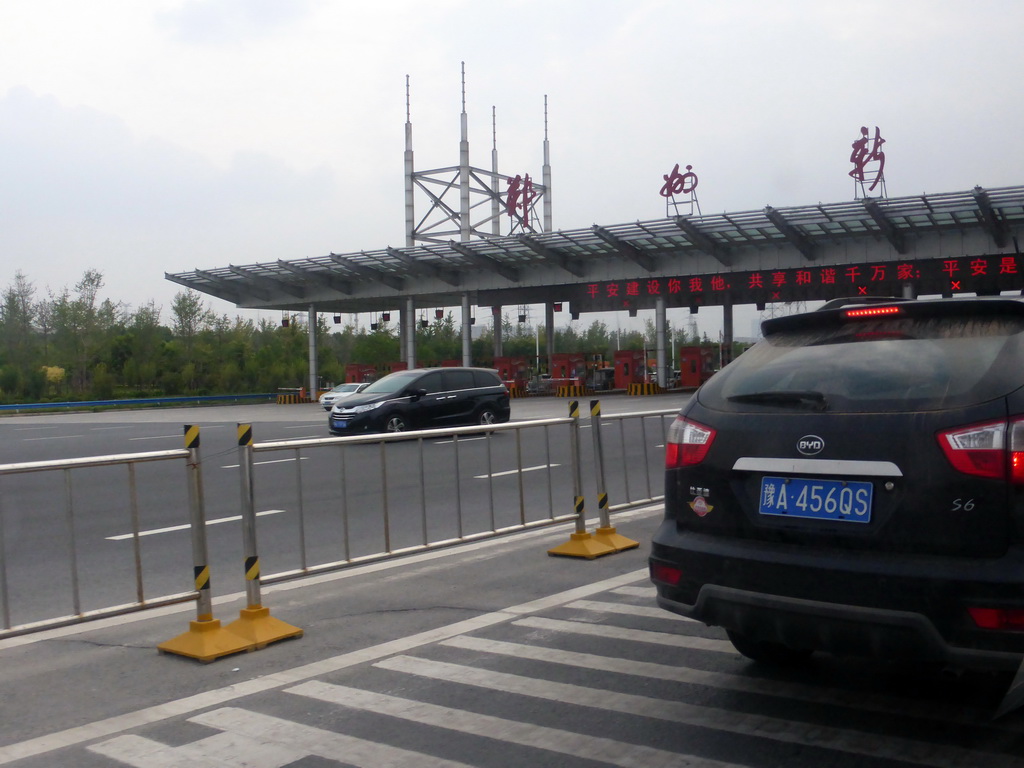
524, 265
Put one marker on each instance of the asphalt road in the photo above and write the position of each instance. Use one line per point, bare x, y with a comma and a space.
315, 507
490, 654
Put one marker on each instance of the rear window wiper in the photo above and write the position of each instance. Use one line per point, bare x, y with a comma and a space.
811, 398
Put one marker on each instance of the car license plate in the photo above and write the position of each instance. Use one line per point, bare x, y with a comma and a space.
339, 424
845, 500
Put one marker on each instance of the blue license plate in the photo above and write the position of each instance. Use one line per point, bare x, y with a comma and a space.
846, 500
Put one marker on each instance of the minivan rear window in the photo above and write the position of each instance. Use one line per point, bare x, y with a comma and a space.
486, 379
881, 364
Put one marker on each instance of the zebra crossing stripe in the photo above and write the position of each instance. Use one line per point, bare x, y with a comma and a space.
776, 688
624, 609
68, 737
584, 746
631, 635
218, 751
767, 727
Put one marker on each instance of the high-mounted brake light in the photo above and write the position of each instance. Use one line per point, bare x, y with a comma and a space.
873, 312
993, 449
688, 442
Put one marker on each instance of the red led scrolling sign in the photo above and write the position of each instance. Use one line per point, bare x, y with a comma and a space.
968, 274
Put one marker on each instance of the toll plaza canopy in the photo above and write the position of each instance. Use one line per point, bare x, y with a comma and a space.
958, 242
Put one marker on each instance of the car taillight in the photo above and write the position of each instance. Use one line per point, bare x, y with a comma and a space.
998, 618
688, 443
992, 449
667, 574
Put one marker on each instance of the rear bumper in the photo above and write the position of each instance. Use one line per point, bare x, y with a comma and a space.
853, 603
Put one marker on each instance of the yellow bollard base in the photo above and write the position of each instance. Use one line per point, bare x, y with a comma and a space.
616, 541
206, 641
255, 624
582, 545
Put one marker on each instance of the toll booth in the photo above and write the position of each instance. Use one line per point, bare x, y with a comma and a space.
451, 363
569, 368
356, 373
696, 365
629, 368
514, 371
600, 379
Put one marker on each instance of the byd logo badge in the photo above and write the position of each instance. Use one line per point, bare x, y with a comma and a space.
809, 445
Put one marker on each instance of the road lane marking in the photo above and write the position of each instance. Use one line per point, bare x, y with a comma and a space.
647, 611
176, 436
762, 686
158, 713
187, 526
516, 471
583, 745
648, 593
263, 741
268, 461
223, 750
769, 727
54, 437
461, 440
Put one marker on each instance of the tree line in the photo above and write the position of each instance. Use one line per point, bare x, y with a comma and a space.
75, 345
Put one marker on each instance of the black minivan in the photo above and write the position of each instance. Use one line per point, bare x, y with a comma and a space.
423, 398
854, 483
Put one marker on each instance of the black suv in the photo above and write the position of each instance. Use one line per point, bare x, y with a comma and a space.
423, 398
854, 483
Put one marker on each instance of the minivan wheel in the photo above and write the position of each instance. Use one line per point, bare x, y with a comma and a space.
766, 651
487, 416
395, 423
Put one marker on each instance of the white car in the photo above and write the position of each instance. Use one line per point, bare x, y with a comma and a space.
328, 399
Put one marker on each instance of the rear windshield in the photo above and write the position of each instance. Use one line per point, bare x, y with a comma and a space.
878, 365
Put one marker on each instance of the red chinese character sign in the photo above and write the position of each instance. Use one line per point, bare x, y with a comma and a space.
868, 163
677, 183
984, 274
519, 201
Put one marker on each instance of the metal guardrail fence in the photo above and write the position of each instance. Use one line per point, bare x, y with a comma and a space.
66, 468
413, 509
387, 501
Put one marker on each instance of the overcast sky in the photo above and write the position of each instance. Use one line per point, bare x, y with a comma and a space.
141, 137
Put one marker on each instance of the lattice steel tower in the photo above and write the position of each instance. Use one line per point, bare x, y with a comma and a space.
485, 197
